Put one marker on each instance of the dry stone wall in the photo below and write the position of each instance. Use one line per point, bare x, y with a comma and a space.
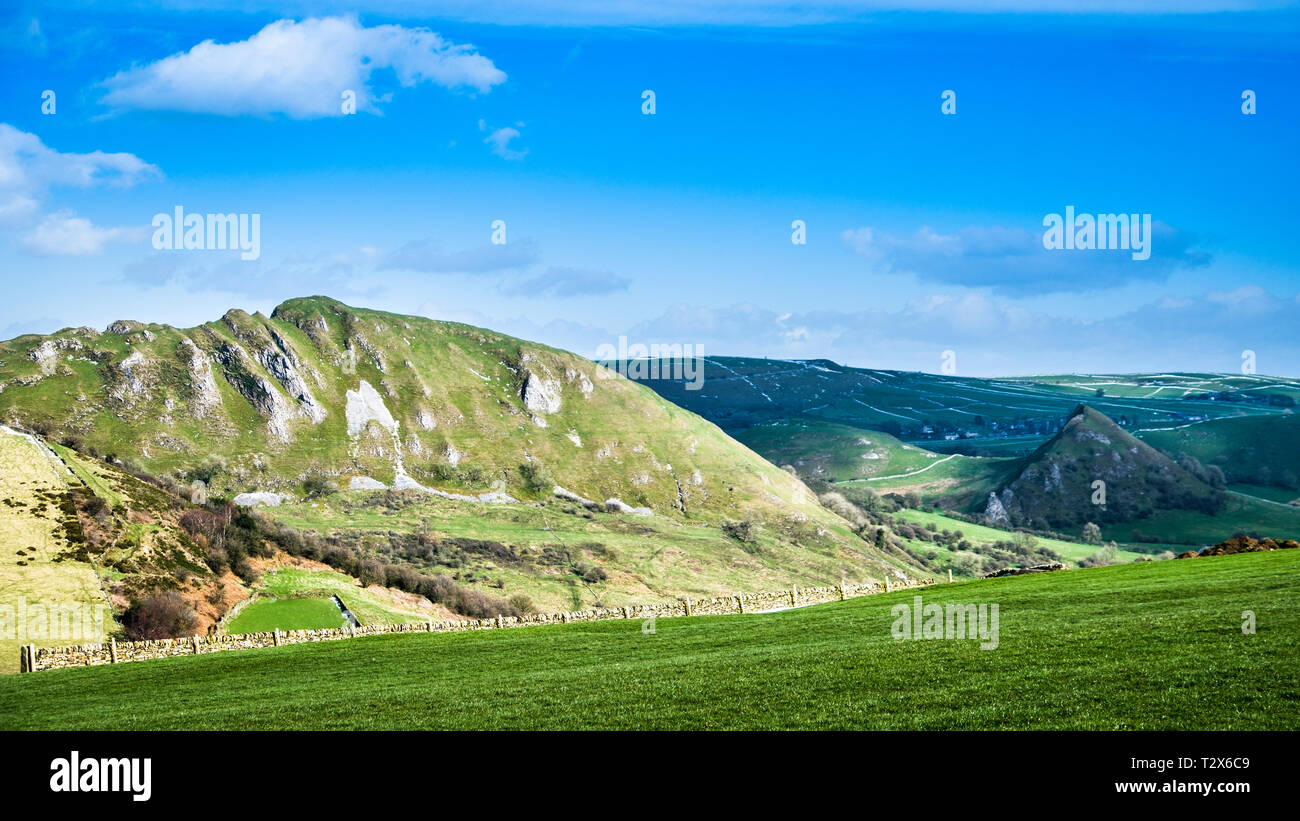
32, 659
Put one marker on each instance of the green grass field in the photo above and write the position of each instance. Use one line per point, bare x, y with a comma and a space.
265, 615
370, 606
1141, 646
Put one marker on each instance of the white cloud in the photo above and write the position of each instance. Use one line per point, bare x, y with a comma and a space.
300, 69
500, 142
29, 169
62, 234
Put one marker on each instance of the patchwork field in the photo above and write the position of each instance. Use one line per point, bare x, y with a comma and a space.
740, 392
1098, 649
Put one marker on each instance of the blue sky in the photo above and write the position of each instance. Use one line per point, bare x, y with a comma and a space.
923, 229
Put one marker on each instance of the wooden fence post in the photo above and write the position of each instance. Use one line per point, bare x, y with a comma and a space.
794, 595
196, 644
887, 589
688, 605
843, 596
277, 637
740, 599
112, 650
950, 575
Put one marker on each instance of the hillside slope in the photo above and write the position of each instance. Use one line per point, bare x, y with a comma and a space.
320, 389
78, 533
1094, 471
321, 396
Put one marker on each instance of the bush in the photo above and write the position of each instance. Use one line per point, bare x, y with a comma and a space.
160, 616
316, 486
537, 478
1107, 555
744, 531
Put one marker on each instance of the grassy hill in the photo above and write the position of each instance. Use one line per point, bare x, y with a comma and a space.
407, 438
1054, 487
1104, 648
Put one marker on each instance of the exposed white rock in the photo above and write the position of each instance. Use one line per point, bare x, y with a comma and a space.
366, 483
46, 355
206, 394
583, 381
563, 493
425, 420
133, 384
365, 405
620, 506
284, 367
541, 395
995, 512
453, 455
574, 438
261, 498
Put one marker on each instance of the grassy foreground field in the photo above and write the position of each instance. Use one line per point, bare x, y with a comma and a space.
1144, 646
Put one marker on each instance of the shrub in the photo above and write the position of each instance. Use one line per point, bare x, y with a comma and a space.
163, 615
1107, 555
744, 531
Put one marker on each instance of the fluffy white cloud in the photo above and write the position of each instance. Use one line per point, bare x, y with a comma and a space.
29, 169
62, 234
300, 69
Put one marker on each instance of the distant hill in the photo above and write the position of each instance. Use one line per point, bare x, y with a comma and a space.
1007, 416
1094, 471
